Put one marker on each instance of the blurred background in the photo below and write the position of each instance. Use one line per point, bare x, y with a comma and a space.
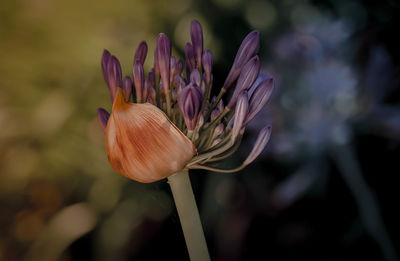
324, 188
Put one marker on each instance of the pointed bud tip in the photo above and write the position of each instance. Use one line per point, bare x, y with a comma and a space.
259, 145
141, 52
102, 116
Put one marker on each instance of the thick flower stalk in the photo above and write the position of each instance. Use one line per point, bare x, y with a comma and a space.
166, 122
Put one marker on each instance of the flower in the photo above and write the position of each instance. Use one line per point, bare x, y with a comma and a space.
173, 123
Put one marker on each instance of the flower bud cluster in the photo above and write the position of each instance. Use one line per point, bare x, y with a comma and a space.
188, 128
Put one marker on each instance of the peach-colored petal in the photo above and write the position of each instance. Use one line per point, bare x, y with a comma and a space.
142, 144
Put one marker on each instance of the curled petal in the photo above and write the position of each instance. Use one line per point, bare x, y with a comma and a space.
142, 144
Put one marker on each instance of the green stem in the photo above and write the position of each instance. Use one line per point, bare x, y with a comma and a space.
212, 107
217, 120
168, 99
205, 98
189, 216
157, 89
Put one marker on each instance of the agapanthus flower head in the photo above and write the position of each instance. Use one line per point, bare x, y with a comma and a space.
173, 123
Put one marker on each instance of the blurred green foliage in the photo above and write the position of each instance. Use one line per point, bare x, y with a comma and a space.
51, 146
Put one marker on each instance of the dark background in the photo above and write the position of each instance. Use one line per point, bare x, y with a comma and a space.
324, 189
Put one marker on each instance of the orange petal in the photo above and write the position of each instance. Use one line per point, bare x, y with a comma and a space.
142, 144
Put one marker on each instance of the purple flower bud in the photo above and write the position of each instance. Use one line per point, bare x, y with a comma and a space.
214, 114
179, 83
151, 78
163, 57
189, 102
190, 62
216, 142
146, 88
247, 76
102, 116
195, 77
220, 106
187, 66
179, 66
149, 83
218, 130
260, 78
261, 142
240, 114
151, 95
207, 66
141, 53
175, 67
127, 88
247, 49
138, 80
114, 75
203, 88
172, 63
200, 121
172, 66
259, 98
104, 61
196, 34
